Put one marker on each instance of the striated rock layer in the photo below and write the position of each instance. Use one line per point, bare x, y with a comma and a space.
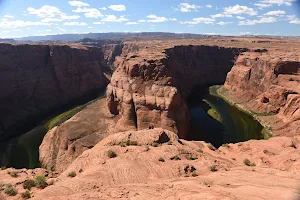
37, 78
149, 86
268, 84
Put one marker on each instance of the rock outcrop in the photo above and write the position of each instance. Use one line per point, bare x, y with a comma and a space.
35, 79
268, 84
149, 86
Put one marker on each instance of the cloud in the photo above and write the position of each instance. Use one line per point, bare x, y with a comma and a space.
293, 19
263, 20
45, 11
239, 10
239, 17
117, 7
275, 13
156, 19
224, 23
278, 2
20, 23
186, 7
209, 6
103, 8
142, 20
173, 19
97, 23
78, 3
8, 16
75, 24
261, 6
131, 23
220, 15
113, 18
89, 12
200, 20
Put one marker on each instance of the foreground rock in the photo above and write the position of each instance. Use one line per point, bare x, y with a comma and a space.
35, 79
268, 84
147, 168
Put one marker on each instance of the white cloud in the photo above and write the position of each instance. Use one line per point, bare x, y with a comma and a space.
89, 12
239, 17
117, 7
8, 16
131, 23
186, 7
103, 8
245, 33
220, 15
209, 6
275, 13
278, 2
97, 23
224, 23
45, 11
293, 19
113, 18
200, 20
261, 6
51, 20
78, 4
263, 20
20, 23
156, 19
173, 19
75, 24
239, 10
142, 20
90, 27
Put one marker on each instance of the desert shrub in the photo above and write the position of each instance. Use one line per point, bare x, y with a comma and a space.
2, 185
3, 168
147, 148
213, 168
40, 181
111, 154
14, 173
194, 174
26, 195
225, 145
200, 150
175, 158
155, 144
123, 144
233, 158
132, 143
190, 157
10, 190
170, 143
161, 159
72, 174
253, 164
247, 162
28, 184
211, 147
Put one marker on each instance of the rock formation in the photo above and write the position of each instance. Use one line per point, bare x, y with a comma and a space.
35, 79
149, 86
268, 84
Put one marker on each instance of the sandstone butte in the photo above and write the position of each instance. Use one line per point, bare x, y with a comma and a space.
148, 88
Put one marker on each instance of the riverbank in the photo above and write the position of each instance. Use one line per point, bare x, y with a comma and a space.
221, 92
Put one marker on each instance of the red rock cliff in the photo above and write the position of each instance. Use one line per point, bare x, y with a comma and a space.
149, 86
37, 78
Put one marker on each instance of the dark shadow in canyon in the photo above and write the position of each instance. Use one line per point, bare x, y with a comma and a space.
217, 122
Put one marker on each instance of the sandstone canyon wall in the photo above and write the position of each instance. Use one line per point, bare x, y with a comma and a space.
268, 84
149, 86
37, 78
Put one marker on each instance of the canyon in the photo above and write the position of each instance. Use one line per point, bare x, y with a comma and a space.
146, 120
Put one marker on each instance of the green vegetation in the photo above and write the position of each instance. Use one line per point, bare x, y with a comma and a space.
28, 184
123, 144
40, 181
266, 133
14, 173
3, 168
247, 162
170, 143
225, 145
213, 168
132, 143
111, 154
72, 174
200, 150
161, 159
211, 147
2, 185
10, 190
155, 144
26, 195
190, 157
194, 174
176, 157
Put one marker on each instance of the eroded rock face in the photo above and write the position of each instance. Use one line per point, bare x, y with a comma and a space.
149, 87
37, 78
270, 85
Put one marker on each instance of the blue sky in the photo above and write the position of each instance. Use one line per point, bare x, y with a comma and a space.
20, 18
